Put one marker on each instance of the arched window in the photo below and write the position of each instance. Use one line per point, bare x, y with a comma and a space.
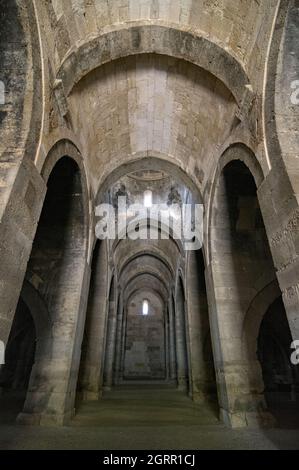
145, 308
148, 199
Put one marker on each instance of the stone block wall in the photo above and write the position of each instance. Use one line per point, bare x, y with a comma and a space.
145, 354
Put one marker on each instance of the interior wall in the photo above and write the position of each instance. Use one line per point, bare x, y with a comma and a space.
147, 103
145, 354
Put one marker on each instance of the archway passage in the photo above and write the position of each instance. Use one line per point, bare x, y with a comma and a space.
280, 376
52, 290
245, 285
19, 360
144, 306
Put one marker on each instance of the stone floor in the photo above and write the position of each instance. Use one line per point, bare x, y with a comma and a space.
148, 418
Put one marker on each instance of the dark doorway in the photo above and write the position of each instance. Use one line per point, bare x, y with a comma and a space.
280, 376
19, 359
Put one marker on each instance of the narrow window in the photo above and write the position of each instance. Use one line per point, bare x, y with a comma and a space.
145, 307
147, 202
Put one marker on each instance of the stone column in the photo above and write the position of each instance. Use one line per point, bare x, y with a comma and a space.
201, 368
52, 389
21, 203
91, 377
181, 346
239, 381
278, 194
167, 345
283, 235
172, 351
123, 342
118, 345
110, 344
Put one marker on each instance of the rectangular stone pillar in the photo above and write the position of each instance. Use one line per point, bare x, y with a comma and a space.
21, 204
280, 208
239, 381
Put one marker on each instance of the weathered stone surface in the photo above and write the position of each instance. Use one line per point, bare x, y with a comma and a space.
194, 101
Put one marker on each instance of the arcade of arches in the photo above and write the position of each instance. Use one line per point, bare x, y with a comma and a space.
189, 102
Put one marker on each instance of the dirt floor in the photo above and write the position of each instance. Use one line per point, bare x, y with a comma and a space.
129, 418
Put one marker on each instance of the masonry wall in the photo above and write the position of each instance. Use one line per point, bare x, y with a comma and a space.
147, 100
145, 339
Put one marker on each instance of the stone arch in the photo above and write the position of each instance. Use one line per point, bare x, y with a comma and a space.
160, 228
240, 151
29, 345
280, 375
158, 39
134, 291
148, 275
66, 148
143, 280
145, 161
280, 102
60, 149
149, 251
155, 255
41, 318
235, 152
251, 328
20, 354
61, 238
240, 266
254, 316
279, 140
